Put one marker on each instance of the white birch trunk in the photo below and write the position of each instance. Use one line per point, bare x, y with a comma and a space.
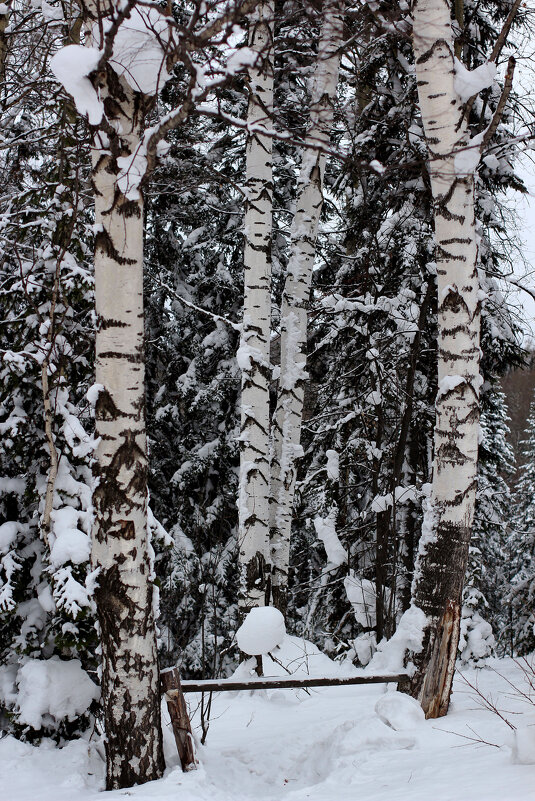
294, 315
253, 355
120, 545
443, 550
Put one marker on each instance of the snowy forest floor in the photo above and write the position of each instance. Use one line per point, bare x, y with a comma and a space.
365, 743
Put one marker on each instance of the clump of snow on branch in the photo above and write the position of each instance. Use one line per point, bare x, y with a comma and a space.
326, 531
429, 528
132, 170
361, 594
71, 65
468, 83
401, 495
53, 690
70, 542
261, 631
408, 637
365, 646
333, 465
240, 58
139, 49
467, 159
92, 394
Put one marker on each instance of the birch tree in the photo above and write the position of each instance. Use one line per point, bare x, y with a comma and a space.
129, 51
295, 299
254, 350
444, 86
120, 546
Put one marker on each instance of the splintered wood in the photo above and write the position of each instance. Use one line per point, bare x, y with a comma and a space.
178, 711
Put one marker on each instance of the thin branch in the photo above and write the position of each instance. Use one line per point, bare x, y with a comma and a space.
212, 315
508, 85
487, 703
497, 49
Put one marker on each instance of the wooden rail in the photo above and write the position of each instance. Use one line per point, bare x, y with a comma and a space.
278, 683
174, 689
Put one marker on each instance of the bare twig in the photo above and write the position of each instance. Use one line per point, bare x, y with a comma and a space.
212, 315
486, 703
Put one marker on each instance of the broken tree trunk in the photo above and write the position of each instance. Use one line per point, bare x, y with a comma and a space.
180, 722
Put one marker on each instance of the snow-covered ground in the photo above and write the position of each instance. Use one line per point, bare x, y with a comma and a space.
365, 743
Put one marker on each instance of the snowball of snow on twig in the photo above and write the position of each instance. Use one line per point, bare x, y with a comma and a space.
261, 631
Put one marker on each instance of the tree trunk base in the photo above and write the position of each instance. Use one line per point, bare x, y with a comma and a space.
433, 688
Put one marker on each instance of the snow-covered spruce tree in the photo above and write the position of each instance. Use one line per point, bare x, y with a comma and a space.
46, 621
194, 297
371, 356
522, 549
484, 612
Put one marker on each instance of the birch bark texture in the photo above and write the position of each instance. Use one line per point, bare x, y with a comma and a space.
286, 431
120, 545
443, 548
254, 350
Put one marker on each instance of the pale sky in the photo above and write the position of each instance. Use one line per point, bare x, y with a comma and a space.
523, 84
526, 272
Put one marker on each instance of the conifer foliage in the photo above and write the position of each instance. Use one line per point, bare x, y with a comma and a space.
522, 598
267, 425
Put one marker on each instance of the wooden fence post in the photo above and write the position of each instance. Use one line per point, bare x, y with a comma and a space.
178, 711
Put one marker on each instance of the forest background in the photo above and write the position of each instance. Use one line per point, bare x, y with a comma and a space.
363, 466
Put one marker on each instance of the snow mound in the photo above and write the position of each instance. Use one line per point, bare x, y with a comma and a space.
261, 631
53, 689
301, 657
295, 656
399, 711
